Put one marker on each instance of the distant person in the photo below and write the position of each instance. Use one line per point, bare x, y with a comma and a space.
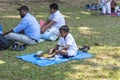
27, 31
92, 6
66, 46
113, 5
54, 21
106, 6
117, 10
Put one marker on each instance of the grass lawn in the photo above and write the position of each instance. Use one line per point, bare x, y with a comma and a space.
85, 28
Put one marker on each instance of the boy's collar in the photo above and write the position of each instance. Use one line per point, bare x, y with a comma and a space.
66, 35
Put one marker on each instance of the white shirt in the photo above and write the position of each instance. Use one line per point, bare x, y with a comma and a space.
58, 17
69, 40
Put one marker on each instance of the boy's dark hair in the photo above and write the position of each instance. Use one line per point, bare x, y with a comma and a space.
54, 6
64, 28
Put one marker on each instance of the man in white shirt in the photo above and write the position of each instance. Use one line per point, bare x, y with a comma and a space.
54, 22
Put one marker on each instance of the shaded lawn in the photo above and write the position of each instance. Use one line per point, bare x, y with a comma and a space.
85, 28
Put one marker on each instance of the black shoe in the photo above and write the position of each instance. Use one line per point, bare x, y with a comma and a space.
97, 44
21, 47
85, 48
13, 47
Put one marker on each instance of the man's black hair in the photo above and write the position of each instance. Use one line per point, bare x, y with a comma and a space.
54, 6
64, 28
25, 8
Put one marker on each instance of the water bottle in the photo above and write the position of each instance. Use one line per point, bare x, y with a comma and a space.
0, 28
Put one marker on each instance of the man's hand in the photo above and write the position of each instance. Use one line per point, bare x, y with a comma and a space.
42, 30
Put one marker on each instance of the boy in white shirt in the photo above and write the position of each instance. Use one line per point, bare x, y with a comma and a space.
55, 19
66, 46
50, 29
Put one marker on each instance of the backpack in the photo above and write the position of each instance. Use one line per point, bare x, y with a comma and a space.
4, 43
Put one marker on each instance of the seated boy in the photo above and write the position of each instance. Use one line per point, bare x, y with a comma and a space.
50, 29
66, 46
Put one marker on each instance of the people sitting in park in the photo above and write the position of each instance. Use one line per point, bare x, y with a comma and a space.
117, 10
50, 29
26, 32
66, 46
106, 6
113, 5
92, 6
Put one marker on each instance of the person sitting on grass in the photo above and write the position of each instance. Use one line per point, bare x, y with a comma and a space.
106, 6
92, 6
27, 31
113, 5
54, 21
66, 46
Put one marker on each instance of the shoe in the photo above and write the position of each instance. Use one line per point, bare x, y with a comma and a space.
14, 47
97, 44
21, 47
85, 48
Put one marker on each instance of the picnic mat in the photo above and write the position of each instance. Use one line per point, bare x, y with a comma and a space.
51, 61
113, 14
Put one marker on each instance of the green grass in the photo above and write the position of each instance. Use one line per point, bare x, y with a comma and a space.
85, 28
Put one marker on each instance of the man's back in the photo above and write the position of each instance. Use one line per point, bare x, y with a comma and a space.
33, 28
30, 26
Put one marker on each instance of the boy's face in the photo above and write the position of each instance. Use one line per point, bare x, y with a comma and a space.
63, 33
52, 10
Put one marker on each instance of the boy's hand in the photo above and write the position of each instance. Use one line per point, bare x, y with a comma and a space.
56, 51
51, 51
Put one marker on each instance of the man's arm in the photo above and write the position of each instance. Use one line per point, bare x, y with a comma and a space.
8, 32
46, 22
47, 26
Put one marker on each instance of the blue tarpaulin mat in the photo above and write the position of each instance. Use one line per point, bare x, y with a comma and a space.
46, 62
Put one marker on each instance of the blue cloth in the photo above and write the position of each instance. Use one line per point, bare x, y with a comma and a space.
47, 62
0, 28
30, 26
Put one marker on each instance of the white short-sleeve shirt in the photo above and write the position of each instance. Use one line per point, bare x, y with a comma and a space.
58, 17
69, 40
